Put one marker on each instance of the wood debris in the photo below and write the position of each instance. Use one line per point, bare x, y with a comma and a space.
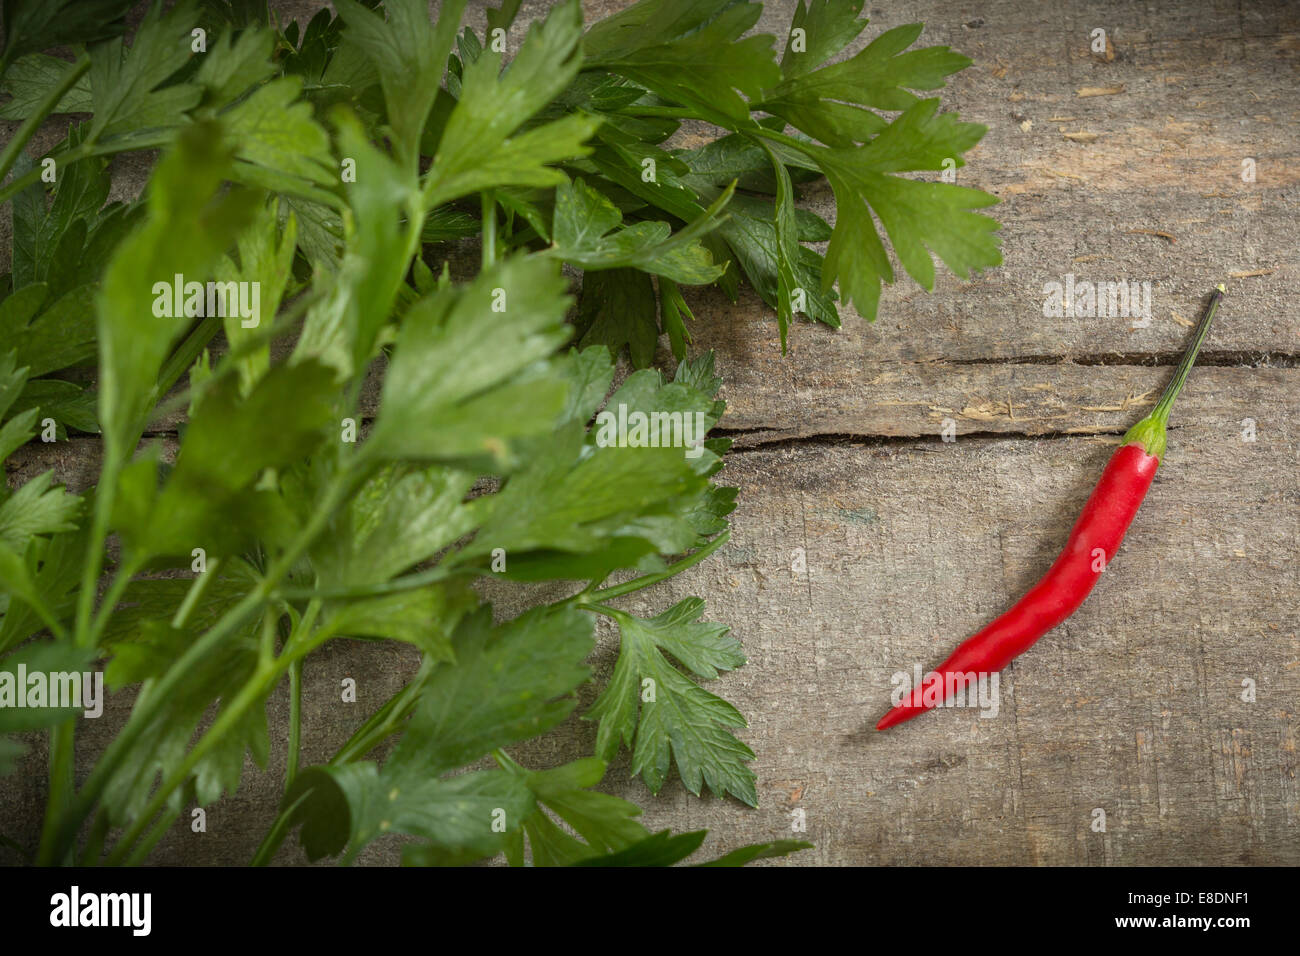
1063, 175
1081, 137
1098, 91
1181, 319
1130, 400
1251, 273
991, 411
1151, 232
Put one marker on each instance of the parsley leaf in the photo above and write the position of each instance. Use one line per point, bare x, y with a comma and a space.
689, 53
34, 25
486, 342
274, 130
37, 508
603, 824
509, 682
46, 581
57, 337
833, 104
231, 439
49, 234
129, 92
134, 341
587, 504
478, 148
652, 706
409, 54
32, 77
824, 27
232, 66
617, 309
585, 218
751, 237
919, 217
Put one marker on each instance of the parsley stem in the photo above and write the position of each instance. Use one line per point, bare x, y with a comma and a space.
385, 720
151, 840
62, 784
266, 646
646, 580
808, 149
295, 723
671, 112
84, 150
104, 493
147, 707
261, 682
377, 728
66, 159
116, 588
489, 230
180, 361
47, 105
61, 797
56, 840
192, 597
407, 582
284, 324
264, 679
95, 840
279, 830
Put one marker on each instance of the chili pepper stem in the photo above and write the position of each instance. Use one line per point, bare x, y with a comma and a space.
1150, 431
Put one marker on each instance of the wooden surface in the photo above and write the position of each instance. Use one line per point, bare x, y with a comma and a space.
1134, 706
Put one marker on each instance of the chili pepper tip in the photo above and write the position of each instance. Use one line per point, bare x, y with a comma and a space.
896, 715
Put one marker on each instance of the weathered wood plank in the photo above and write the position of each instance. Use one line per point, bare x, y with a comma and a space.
1133, 706
822, 388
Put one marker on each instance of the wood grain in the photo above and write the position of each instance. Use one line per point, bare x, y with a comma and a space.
1134, 706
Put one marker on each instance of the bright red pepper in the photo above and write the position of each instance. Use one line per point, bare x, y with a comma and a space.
1092, 545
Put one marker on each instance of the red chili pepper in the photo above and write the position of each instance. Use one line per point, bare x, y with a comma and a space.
1091, 546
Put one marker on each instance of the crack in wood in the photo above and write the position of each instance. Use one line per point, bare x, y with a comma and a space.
1239, 358
830, 439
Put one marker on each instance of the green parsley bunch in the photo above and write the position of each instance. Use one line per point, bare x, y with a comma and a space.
376, 435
